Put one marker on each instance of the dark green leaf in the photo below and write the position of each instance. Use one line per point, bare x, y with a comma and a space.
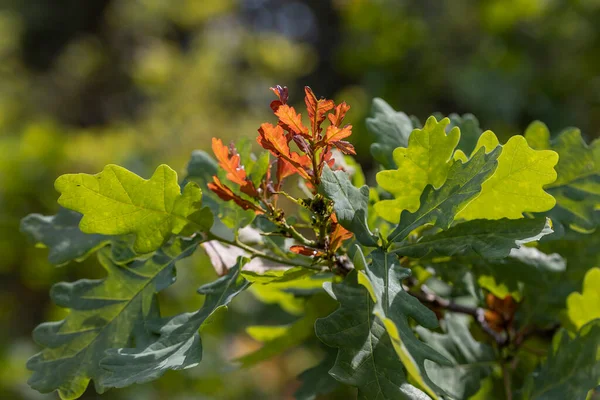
492, 239
572, 368
391, 129
394, 306
471, 361
366, 358
469, 131
350, 204
104, 314
439, 207
177, 344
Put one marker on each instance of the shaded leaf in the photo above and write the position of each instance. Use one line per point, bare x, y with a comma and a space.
439, 207
316, 380
118, 202
469, 131
61, 234
485, 238
426, 160
104, 314
471, 361
517, 184
350, 204
366, 358
391, 129
394, 306
572, 368
176, 343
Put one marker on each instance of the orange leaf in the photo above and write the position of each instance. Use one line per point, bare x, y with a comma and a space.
340, 112
291, 120
306, 251
235, 172
345, 147
227, 194
316, 110
282, 95
335, 134
339, 235
272, 138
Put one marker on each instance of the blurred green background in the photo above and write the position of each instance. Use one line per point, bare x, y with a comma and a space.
143, 82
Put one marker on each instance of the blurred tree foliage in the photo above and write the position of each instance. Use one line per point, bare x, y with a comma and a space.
87, 83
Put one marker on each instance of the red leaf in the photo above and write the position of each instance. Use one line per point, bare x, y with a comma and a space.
306, 251
291, 120
339, 235
345, 147
282, 95
316, 110
340, 112
227, 194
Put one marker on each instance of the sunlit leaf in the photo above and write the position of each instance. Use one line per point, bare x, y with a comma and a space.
118, 202
439, 207
517, 184
426, 160
585, 306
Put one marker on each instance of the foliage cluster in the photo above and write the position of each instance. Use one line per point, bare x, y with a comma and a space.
459, 275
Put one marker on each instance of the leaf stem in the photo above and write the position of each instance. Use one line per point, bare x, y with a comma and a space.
257, 253
507, 381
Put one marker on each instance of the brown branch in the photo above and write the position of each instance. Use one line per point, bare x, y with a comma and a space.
429, 298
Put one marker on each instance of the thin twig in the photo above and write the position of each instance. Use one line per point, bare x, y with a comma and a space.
507, 381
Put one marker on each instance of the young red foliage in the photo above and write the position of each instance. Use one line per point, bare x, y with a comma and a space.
231, 164
227, 194
292, 121
282, 95
317, 108
306, 251
338, 235
272, 138
338, 116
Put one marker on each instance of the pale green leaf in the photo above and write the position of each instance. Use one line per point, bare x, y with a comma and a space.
471, 360
585, 306
576, 189
104, 314
366, 358
177, 344
118, 202
516, 187
277, 275
350, 204
439, 207
426, 160
485, 238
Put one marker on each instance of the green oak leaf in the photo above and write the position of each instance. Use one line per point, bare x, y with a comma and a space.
104, 314
277, 275
472, 361
394, 306
576, 189
486, 238
572, 368
439, 207
366, 358
201, 168
585, 306
391, 129
517, 184
316, 380
119, 202
291, 335
177, 344
60, 233
349, 202
426, 160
